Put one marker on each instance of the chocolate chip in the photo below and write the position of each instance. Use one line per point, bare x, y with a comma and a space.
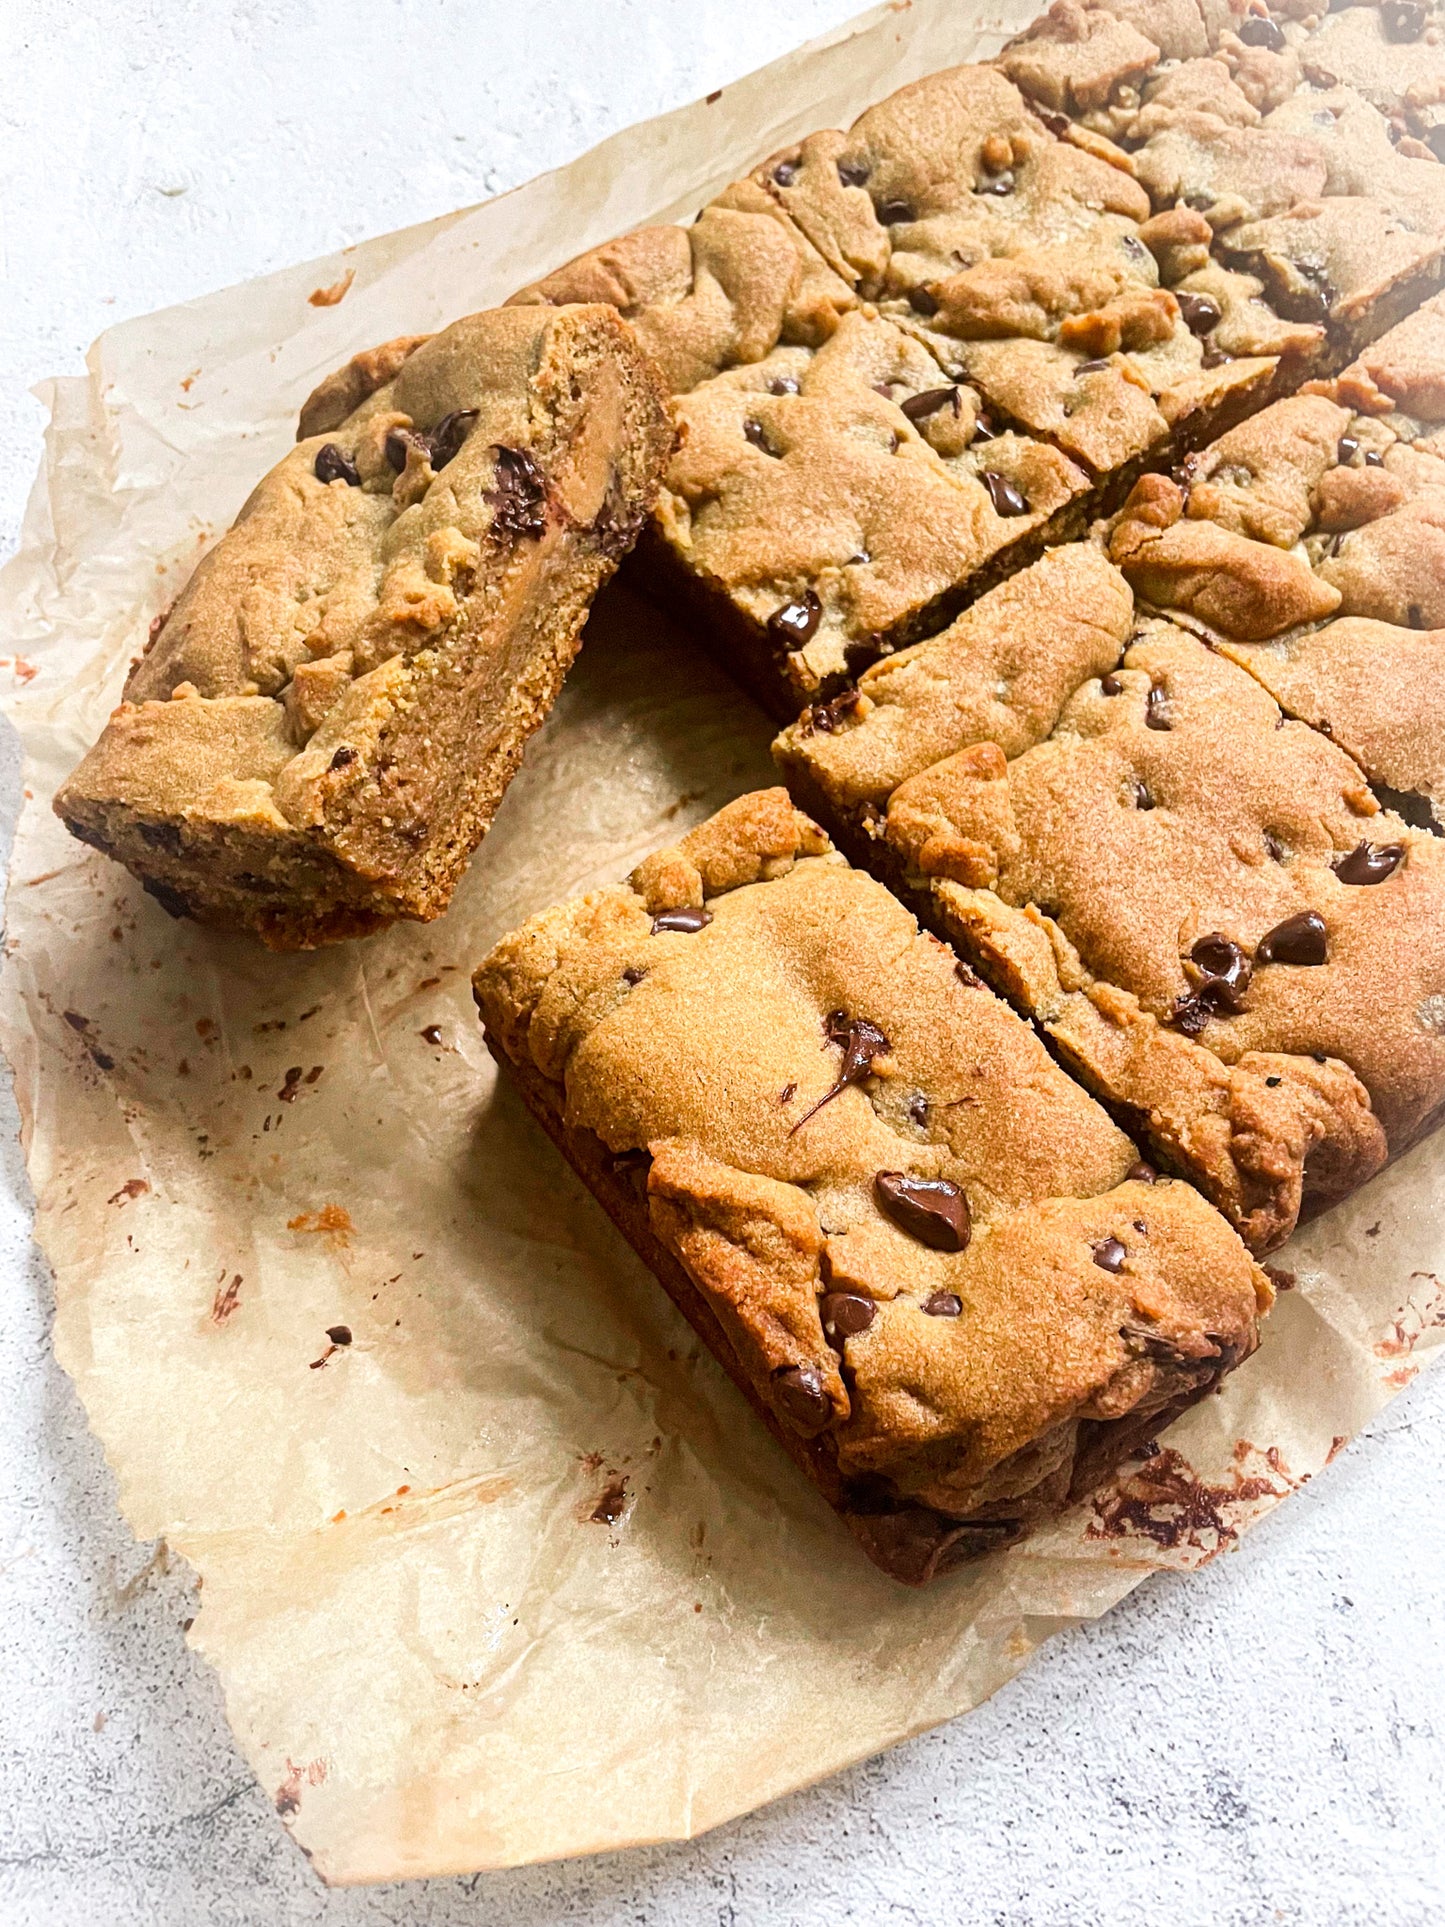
922, 302
397, 444
1111, 685
1156, 709
1005, 497
1259, 31
1403, 20
846, 1313
983, 428
754, 432
860, 1043
933, 1210
339, 1334
1273, 1083
341, 757
1000, 184
853, 173
1109, 1254
786, 172
1224, 971
918, 1110
1092, 367
685, 922
798, 1392
1200, 312
784, 385
919, 407
1369, 863
1191, 1014
518, 495
894, 213
1142, 794
1214, 358
1373, 458
1142, 1173
333, 464
633, 974
967, 975
1300, 939
1346, 449
828, 718
1274, 848
943, 1304
449, 434
795, 622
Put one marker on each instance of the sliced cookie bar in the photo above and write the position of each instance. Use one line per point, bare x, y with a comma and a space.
321, 728
926, 1256
1203, 904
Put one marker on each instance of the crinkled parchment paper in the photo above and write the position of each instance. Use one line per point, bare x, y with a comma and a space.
512, 1574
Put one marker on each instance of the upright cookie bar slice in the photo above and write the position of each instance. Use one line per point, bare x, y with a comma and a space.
1204, 904
1309, 546
924, 1253
322, 727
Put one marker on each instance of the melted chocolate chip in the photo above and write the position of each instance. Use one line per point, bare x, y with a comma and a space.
919, 407
754, 432
829, 717
333, 464
1156, 709
518, 495
1346, 449
1373, 458
1142, 1173
1200, 312
799, 1395
853, 173
784, 385
860, 1043
922, 301
894, 213
1369, 863
1000, 184
943, 1304
1111, 685
846, 1313
449, 434
1258, 31
1109, 1254
793, 624
1224, 971
685, 922
1402, 20
1005, 497
786, 172
1300, 939
933, 1210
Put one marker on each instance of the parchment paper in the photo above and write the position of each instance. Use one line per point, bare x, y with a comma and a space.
513, 1574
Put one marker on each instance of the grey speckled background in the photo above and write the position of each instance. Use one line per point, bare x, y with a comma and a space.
1263, 1742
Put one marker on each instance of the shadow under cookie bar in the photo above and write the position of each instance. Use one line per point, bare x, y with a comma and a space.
1309, 547
322, 726
1122, 832
928, 1258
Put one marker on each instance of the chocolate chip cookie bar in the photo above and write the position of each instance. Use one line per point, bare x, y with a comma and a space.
936, 1268
1308, 545
323, 725
1202, 903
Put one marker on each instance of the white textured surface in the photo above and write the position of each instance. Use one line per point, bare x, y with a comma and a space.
1261, 1742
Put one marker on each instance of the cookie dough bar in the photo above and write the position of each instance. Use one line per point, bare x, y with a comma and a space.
933, 1264
323, 725
1203, 904
1309, 546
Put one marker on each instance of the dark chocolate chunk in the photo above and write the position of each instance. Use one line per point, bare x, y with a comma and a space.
1109, 1254
894, 213
853, 173
933, 1210
685, 922
339, 1334
1200, 312
333, 464
919, 407
1223, 971
799, 1395
829, 717
922, 301
1156, 709
449, 434
793, 624
845, 1313
1373, 458
1403, 20
943, 1304
784, 385
1256, 30
397, 444
786, 172
1005, 497
1273, 1083
518, 495
1369, 862
1142, 1173
1346, 449
1300, 939
1000, 184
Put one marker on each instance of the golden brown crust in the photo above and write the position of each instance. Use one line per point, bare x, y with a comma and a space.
342, 393
968, 1372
